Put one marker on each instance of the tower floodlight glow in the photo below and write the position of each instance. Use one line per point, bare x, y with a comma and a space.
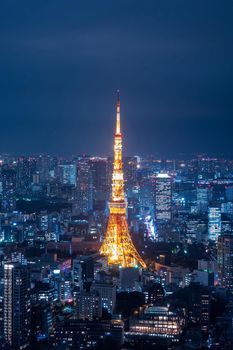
118, 245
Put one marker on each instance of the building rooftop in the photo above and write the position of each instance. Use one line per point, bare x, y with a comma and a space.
156, 310
163, 176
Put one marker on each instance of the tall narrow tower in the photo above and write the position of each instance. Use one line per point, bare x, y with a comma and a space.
117, 245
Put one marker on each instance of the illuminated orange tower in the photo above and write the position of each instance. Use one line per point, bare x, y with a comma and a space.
118, 245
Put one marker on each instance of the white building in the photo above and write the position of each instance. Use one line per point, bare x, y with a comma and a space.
214, 223
163, 198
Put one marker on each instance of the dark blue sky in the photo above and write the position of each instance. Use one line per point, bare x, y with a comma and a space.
62, 61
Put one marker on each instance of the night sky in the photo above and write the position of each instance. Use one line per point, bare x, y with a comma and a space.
61, 63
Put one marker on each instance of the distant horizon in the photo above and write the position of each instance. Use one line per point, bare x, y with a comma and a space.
178, 156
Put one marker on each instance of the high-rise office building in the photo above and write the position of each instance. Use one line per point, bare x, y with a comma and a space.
47, 167
8, 189
198, 305
225, 261
130, 170
214, 223
163, 198
68, 174
88, 305
107, 293
84, 185
41, 320
203, 197
83, 272
23, 175
65, 290
146, 198
100, 182
17, 307
105, 287
1, 304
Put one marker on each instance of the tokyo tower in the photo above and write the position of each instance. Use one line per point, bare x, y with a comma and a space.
117, 244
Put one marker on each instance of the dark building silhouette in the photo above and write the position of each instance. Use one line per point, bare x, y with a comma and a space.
8, 189
17, 306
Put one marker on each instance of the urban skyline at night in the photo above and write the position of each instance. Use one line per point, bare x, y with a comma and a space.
116, 175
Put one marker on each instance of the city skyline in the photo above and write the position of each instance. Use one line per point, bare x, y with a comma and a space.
60, 67
116, 175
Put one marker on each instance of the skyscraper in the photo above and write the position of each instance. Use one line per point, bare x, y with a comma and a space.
84, 185
117, 245
203, 196
1, 304
225, 261
68, 174
100, 181
17, 307
130, 171
8, 189
47, 167
23, 175
163, 198
83, 272
214, 223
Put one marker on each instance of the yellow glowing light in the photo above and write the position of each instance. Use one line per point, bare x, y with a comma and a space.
118, 245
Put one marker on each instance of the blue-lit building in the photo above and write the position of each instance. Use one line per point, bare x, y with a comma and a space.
225, 261
68, 174
8, 189
214, 223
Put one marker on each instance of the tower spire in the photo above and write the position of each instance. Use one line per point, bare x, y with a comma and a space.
118, 115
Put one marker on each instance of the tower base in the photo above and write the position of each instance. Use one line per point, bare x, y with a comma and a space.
118, 245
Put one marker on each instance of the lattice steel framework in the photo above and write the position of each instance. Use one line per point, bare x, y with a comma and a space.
118, 245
